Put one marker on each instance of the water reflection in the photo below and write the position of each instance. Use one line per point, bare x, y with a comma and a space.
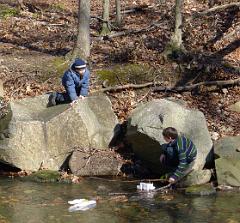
24, 202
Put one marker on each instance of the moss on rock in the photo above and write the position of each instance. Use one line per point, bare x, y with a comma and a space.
202, 190
55, 68
43, 176
130, 73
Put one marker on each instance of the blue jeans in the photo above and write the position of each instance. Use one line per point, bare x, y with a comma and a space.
62, 98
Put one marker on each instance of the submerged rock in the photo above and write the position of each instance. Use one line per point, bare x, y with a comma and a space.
202, 190
43, 176
227, 161
145, 127
34, 136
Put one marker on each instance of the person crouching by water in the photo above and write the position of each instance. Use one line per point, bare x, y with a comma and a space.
178, 156
76, 83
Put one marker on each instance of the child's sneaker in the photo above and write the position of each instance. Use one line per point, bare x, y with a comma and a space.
52, 99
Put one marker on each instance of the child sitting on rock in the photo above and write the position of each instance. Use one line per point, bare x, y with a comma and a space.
76, 83
179, 154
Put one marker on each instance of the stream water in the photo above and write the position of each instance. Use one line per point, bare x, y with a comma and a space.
27, 202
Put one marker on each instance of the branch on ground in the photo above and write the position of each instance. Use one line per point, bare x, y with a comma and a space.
230, 69
174, 89
218, 8
193, 86
129, 32
227, 49
140, 8
127, 86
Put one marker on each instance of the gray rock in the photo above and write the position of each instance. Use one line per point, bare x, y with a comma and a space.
227, 161
145, 127
34, 136
202, 190
95, 163
195, 178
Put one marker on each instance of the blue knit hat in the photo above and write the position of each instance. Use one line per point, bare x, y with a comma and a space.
79, 64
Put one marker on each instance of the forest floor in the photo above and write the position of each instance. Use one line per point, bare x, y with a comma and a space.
35, 40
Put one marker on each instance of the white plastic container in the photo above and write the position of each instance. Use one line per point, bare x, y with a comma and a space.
145, 186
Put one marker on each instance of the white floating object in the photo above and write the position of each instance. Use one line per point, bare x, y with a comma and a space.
76, 201
81, 205
145, 186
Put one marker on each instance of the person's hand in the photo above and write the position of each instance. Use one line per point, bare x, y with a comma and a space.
81, 97
171, 180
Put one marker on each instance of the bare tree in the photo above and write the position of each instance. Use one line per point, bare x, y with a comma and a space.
118, 12
21, 4
82, 46
176, 43
106, 24
177, 36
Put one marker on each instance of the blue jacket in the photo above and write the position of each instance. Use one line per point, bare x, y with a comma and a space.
74, 85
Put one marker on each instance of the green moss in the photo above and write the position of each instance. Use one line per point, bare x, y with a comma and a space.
60, 65
130, 73
205, 189
6, 11
55, 68
36, 15
43, 176
58, 7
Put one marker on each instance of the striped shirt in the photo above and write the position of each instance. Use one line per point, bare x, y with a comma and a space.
187, 153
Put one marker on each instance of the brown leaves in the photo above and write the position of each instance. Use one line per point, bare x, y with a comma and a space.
123, 103
70, 178
22, 86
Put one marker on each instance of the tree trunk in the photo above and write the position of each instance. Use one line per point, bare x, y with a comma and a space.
118, 13
175, 45
105, 25
177, 36
82, 46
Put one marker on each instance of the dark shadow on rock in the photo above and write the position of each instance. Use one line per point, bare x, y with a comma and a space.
133, 166
65, 166
6, 167
119, 133
209, 161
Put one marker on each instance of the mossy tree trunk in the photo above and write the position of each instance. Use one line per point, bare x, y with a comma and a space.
176, 44
118, 13
82, 46
106, 24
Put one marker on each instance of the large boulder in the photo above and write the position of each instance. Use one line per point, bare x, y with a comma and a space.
227, 161
145, 127
34, 136
94, 162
